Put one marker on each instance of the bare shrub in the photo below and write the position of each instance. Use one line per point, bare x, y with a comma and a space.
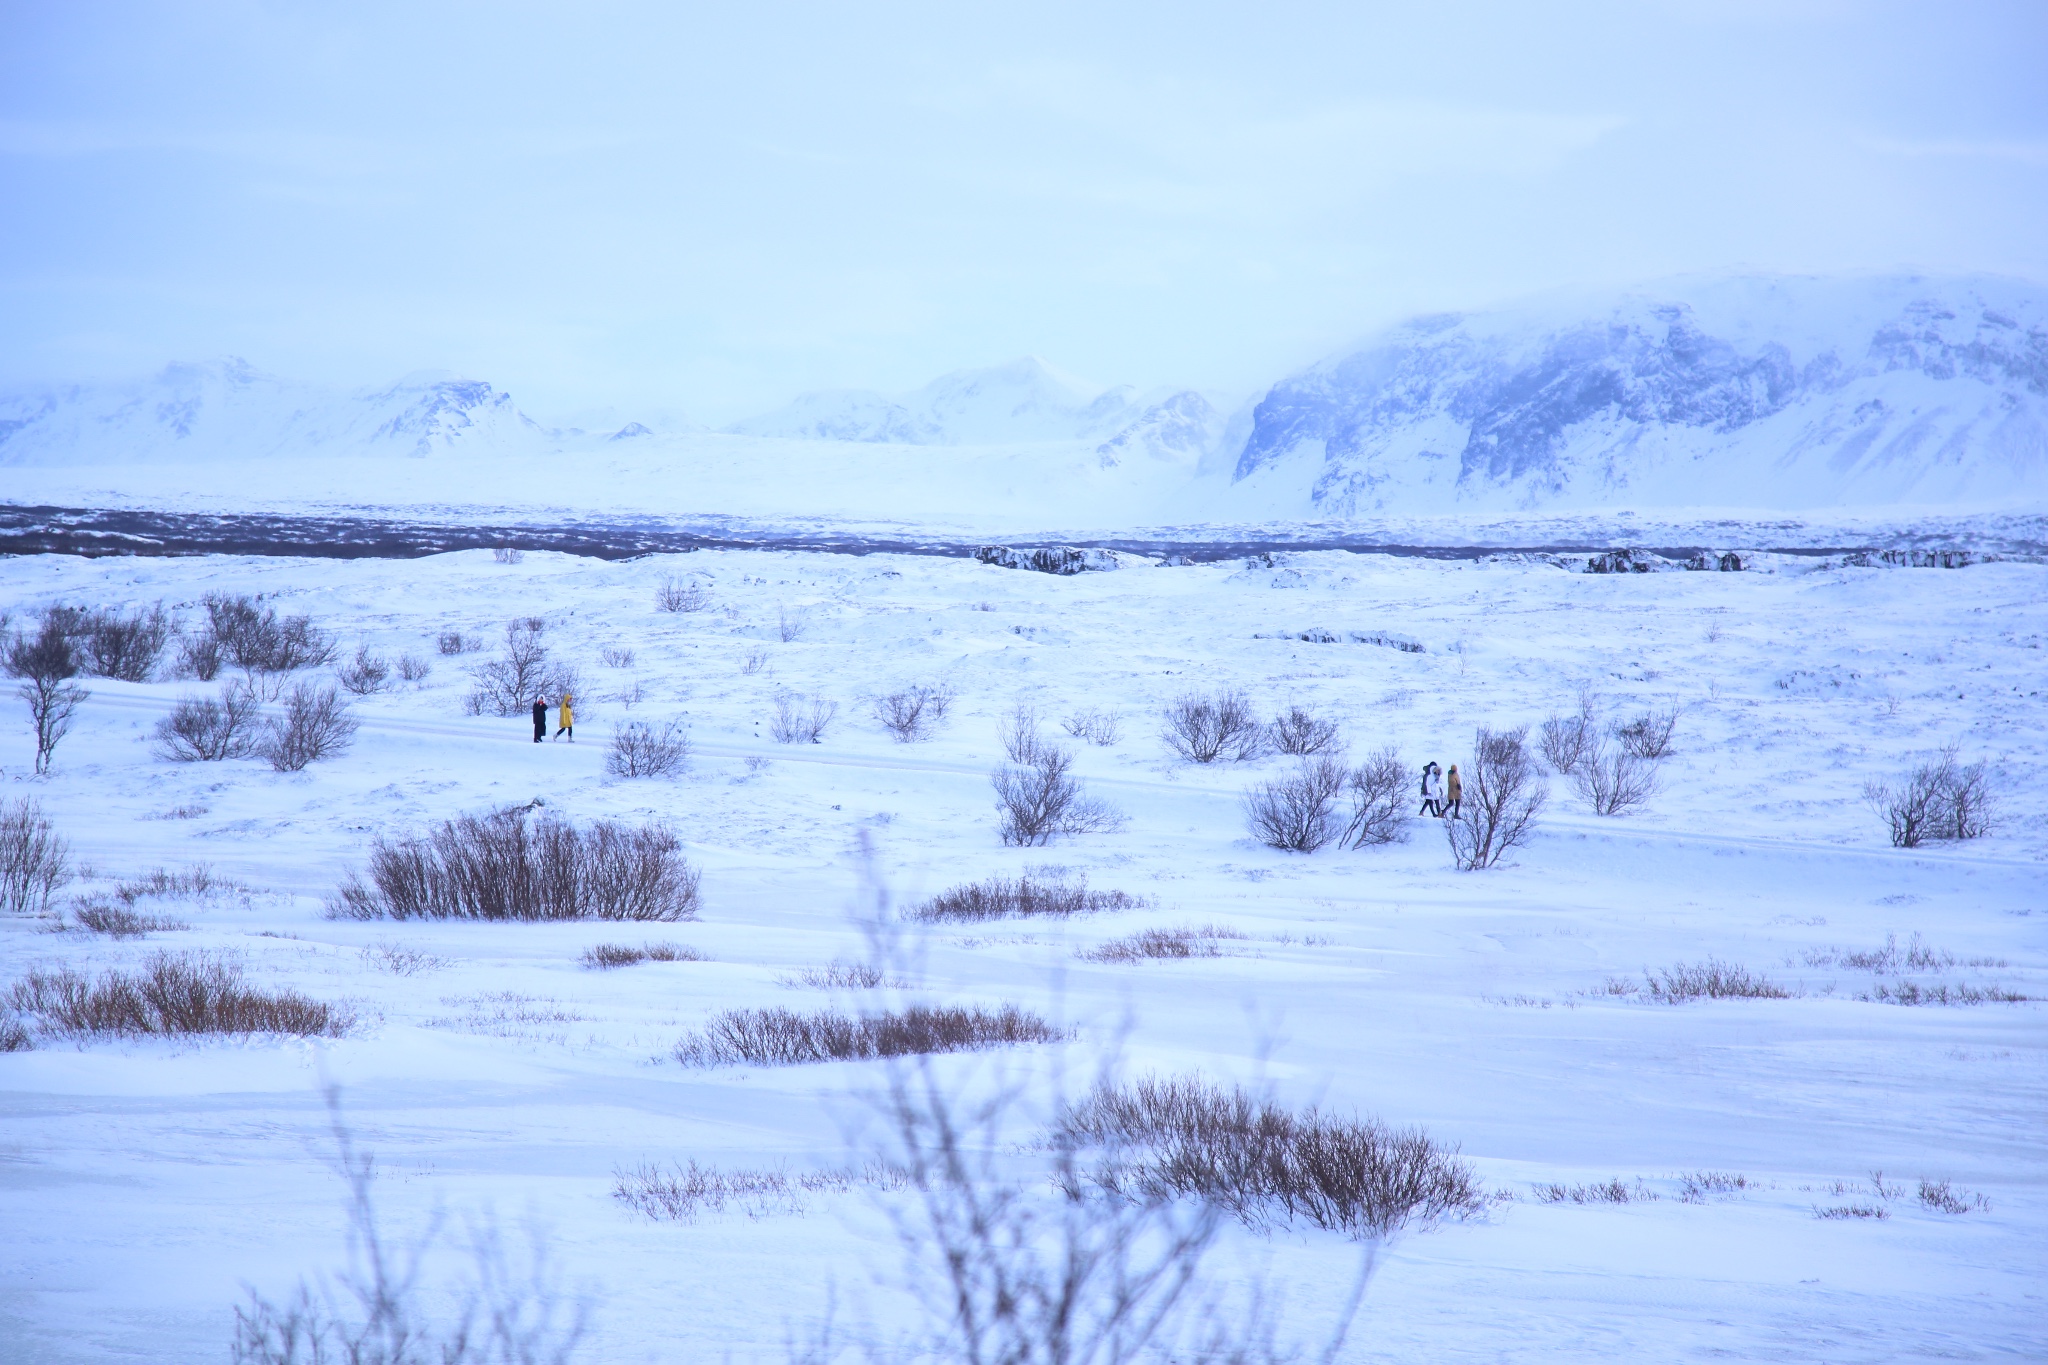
316, 724
1941, 1197
639, 749
1847, 1211
413, 669
1268, 1165
401, 959
14, 1036
1917, 956
365, 673
507, 866
1567, 740
1941, 993
1019, 734
509, 684
1696, 1186
1300, 732
1614, 781
1378, 789
754, 662
102, 916
126, 647
1298, 812
45, 662
791, 626
207, 729
1205, 729
915, 712
1944, 799
1501, 800
605, 956
384, 1310
616, 656
801, 720
196, 882
1711, 980
1046, 892
675, 594
1615, 1191
254, 638
1649, 735
1040, 801
1162, 943
1099, 727
1967, 805
169, 994
780, 1037
35, 860
842, 976
454, 642
682, 1194
200, 656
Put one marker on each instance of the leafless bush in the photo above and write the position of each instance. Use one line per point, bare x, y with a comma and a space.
507, 554
1046, 892
1040, 801
365, 673
1941, 1197
1945, 799
1649, 735
35, 860
200, 656
1300, 732
791, 626
1711, 980
14, 1036
454, 642
1019, 734
754, 662
383, 1311
196, 882
780, 1037
639, 749
413, 669
315, 725
402, 959
125, 646
1847, 1211
616, 656
1298, 812
1941, 993
1205, 729
1917, 956
206, 729
683, 1193
102, 916
1568, 740
1615, 1191
510, 683
842, 976
1267, 1165
801, 720
170, 994
45, 662
605, 956
1502, 797
1162, 943
1696, 1186
915, 712
1099, 727
254, 638
1379, 802
507, 866
1614, 781
675, 594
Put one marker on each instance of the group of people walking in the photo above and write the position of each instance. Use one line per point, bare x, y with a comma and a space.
540, 719
1442, 793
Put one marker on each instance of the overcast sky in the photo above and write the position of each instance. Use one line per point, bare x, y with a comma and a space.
710, 208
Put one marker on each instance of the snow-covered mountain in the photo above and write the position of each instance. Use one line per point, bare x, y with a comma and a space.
1792, 393
230, 410
1026, 400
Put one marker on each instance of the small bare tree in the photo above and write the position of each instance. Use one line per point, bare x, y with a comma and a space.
801, 720
1298, 812
676, 594
524, 673
1039, 800
207, 730
639, 749
315, 725
1204, 729
1019, 734
365, 673
1501, 799
1379, 802
915, 712
35, 861
1944, 799
1649, 735
1614, 781
791, 626
46, 662
1301, 732
126, 646
1099, 727
1567, 740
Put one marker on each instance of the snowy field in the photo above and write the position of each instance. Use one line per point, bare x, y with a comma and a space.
493, 1076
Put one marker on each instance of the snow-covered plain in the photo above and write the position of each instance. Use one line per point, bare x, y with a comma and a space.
146, 1183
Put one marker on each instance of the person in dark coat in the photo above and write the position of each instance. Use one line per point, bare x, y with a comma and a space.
540, 720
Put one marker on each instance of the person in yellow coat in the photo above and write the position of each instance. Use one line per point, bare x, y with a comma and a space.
1454, 785
569, 720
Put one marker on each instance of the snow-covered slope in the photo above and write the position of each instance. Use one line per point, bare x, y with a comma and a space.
1026, 400
1789, 393
228, 410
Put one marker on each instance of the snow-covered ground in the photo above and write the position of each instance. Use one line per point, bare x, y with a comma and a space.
145, 1183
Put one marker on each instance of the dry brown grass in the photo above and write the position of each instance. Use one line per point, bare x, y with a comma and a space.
781, 1037
1045, 892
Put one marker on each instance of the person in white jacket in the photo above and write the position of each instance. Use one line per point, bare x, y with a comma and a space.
1432, 791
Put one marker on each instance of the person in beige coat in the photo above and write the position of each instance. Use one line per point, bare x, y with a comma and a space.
1454, 792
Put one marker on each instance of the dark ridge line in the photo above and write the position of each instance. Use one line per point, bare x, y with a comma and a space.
103, 532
